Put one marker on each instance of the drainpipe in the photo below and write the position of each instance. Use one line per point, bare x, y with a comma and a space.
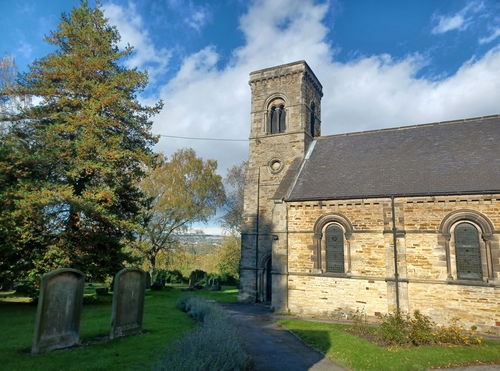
257, 239
394, 238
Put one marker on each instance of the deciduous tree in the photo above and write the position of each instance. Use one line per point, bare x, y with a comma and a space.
234, 184
181, 190
228, 256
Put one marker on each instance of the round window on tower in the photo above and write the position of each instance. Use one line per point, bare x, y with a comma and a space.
275, 165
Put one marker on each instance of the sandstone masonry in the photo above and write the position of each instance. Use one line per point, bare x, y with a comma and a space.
398, 250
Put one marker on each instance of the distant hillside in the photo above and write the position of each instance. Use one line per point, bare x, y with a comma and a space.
200, 243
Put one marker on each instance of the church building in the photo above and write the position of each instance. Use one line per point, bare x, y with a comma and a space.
370, 222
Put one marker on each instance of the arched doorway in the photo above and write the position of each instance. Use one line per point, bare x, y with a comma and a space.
268, 281
264, 293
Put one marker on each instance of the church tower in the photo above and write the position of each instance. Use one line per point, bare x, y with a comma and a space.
285, 118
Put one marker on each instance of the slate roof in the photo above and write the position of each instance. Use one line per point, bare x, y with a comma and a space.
456, 157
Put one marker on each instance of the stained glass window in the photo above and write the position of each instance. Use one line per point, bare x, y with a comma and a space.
468, 253
334, 249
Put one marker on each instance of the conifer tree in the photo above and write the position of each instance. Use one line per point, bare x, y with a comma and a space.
73, 161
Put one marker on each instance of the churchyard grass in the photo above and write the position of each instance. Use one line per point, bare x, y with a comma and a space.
228, 294
163, 322
360, 354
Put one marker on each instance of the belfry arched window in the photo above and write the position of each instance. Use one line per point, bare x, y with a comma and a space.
277, 117
312, 119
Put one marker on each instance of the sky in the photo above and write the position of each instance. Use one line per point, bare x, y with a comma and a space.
383, 63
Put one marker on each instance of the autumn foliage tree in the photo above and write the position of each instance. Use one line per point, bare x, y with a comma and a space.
234, 183
228, 254
70, 164
180, 190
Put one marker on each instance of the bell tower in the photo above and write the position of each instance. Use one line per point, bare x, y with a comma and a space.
284, 119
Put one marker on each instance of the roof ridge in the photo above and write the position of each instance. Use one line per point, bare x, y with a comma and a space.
437, 123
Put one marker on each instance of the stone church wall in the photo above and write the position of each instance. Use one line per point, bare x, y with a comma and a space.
472, 305
426, 265
336, 297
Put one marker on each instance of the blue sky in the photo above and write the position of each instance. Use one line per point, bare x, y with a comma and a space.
382, 63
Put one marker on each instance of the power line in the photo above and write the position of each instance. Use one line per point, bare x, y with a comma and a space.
201, 138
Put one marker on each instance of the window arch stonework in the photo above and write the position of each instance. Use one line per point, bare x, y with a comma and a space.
325, 225
479, 236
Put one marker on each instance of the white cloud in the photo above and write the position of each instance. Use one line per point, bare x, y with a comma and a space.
495, 33
198, 18
450, 23
459, 21
195, 15
368, 93
133, 32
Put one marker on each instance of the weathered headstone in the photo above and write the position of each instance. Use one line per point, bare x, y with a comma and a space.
216, 286
57, 321
195, 277
128, 302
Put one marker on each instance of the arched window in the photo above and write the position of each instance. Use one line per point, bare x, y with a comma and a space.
334, 238
469, 246
332, 235
282, 119
276, 116
467, 252
273, 120
312, 119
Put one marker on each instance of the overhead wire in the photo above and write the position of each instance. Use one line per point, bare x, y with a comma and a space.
203, 138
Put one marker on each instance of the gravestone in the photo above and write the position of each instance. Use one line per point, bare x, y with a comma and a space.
57, 322
215, 286
128, 302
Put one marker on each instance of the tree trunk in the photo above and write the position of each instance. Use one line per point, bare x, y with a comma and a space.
152, 264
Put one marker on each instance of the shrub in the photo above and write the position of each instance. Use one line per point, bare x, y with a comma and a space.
394, 328
403, 329
214, 346
196, 308
229, 279
456, 334
174, 276
420, 329
361, 328
159, 278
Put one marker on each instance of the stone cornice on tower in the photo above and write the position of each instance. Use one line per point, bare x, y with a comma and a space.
284, 70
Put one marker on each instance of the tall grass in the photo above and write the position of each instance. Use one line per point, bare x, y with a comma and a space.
213, 346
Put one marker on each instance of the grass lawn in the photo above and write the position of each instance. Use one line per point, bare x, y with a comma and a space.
359, 354
162, 323
228, 294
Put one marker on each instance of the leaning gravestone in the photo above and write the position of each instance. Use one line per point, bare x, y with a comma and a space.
57, 321
128, 302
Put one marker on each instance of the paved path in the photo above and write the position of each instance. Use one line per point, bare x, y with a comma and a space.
273, 348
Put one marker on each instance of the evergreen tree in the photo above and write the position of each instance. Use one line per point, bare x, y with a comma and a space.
73, 161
